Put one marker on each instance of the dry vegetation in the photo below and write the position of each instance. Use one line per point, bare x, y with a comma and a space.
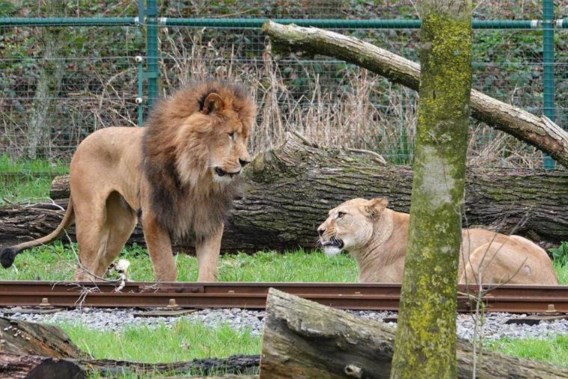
329, 102
363, 111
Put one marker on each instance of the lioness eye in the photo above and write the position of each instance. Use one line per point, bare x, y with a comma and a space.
340, 214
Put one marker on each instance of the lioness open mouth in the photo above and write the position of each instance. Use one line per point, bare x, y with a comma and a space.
334, 243
332, 247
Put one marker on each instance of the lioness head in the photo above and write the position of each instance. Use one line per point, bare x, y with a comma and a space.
350, 225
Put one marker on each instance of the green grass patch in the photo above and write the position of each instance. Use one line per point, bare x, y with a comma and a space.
57, 262
560, 253
27, 180
181, 342
551, 350
561, 272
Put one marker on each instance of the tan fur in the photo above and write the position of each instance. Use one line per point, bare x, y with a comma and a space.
377, 238
178, 174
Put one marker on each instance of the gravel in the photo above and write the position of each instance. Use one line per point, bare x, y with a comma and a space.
494, 326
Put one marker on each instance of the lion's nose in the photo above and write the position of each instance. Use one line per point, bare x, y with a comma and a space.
320, 231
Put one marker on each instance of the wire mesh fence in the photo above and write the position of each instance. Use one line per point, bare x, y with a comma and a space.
60, 83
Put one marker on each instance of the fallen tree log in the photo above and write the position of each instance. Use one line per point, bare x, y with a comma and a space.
32, 350
305, 339
28, 338
28, 349
14, 366
289, 190
539, 132
236, 365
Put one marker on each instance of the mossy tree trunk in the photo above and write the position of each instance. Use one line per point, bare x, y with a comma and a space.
425, 345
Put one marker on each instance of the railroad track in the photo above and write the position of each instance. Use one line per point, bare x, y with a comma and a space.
185, 295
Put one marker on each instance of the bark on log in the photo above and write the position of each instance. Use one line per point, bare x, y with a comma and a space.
234, 365
539, 132
31, 350
28, 338
304, 339
289, 190
14, 366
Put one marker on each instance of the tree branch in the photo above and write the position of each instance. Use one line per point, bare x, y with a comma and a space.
539, 132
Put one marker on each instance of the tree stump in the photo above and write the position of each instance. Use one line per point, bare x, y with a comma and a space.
305, 339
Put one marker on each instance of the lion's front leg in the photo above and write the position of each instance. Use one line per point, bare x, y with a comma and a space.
207, 250
160, 249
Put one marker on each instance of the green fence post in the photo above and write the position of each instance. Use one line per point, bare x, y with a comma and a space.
548, 68
152, 73
140, 68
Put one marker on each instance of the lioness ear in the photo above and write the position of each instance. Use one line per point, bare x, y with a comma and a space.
212, 103
376, 206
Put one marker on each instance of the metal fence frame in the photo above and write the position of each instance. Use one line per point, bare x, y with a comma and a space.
148, 18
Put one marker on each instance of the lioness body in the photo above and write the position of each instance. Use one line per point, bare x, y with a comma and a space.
177, 176
377, 237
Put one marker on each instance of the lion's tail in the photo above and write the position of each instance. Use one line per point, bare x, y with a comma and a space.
8, 254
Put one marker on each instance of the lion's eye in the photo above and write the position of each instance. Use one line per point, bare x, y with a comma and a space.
231, 135
340, 214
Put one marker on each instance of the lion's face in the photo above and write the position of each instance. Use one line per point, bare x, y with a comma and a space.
350, 225
213, 140
228, 150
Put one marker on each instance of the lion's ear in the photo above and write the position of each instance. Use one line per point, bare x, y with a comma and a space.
212, 103
376, 206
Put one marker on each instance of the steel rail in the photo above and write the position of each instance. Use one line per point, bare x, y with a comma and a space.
355, 296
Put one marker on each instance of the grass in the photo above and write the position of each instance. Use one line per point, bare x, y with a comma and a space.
25, 180
552, 350
57, 262
183, 341
561, 272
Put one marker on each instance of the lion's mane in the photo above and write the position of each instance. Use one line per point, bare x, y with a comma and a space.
164, 149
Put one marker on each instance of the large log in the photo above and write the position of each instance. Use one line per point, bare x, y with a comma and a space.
14, 366
539, 132
33, 350
289, 190
28, 338
234, 365
304, 339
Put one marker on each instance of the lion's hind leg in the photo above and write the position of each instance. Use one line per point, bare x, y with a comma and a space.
102, 236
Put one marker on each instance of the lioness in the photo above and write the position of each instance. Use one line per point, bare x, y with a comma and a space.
177, 175
377, 238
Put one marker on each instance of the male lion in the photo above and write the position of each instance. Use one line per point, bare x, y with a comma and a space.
177, 175
377, 238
